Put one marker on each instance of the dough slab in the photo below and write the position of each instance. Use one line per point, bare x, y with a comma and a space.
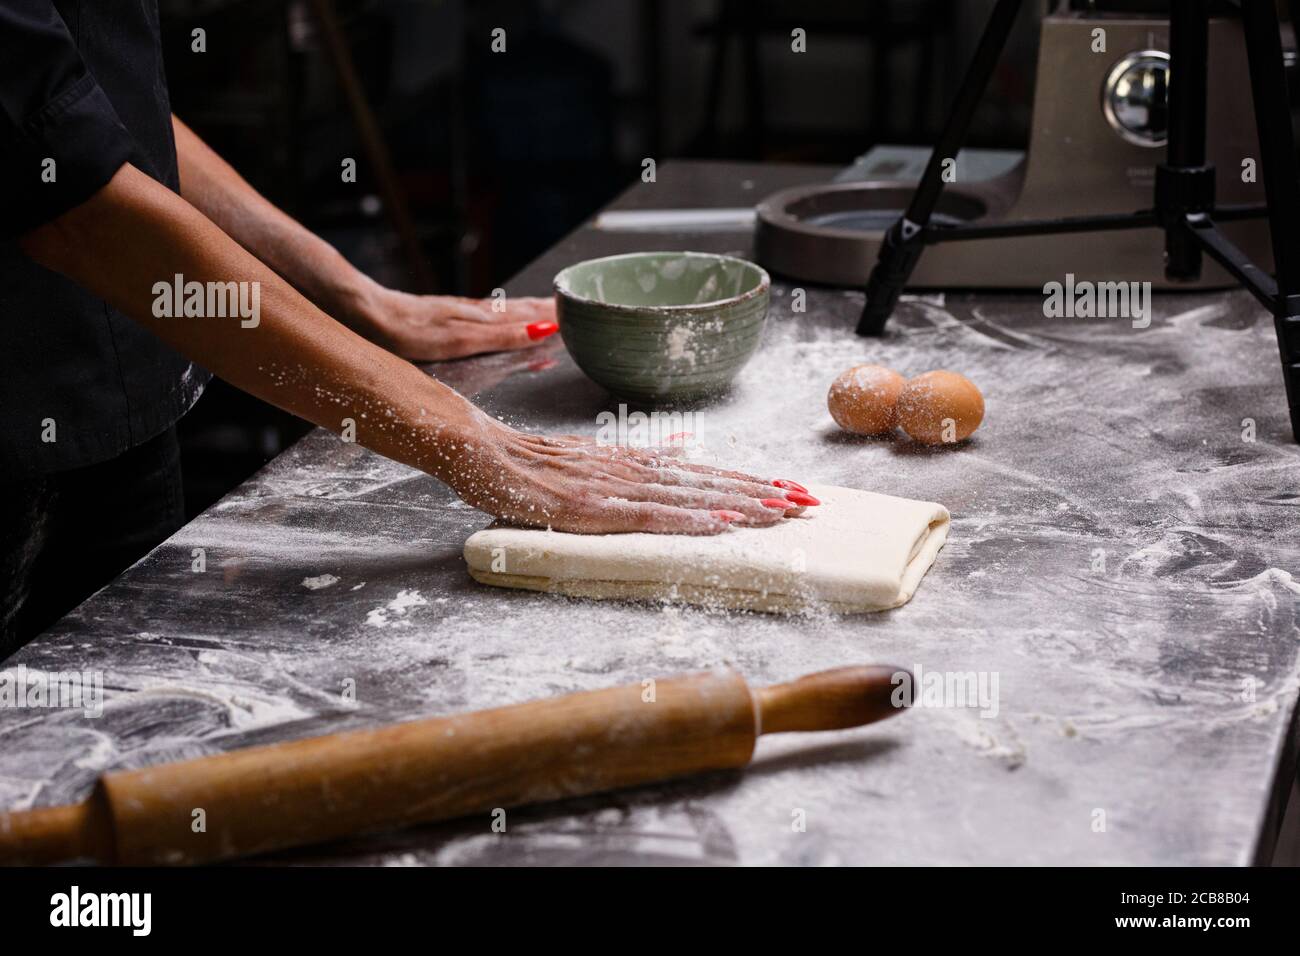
857, 551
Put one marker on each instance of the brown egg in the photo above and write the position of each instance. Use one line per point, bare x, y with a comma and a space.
940, 408
862, 399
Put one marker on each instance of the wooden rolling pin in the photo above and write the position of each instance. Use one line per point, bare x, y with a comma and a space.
323, 788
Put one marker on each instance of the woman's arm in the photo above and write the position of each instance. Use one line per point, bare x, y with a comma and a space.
418, 327
135, 233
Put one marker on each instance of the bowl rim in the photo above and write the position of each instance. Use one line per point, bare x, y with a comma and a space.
764, 284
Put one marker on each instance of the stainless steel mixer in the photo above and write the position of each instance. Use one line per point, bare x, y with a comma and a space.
1098, 130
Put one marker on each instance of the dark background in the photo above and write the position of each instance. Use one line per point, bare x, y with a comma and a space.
499, 155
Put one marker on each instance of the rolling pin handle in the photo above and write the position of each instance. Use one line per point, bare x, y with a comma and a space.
45, 835
834, 699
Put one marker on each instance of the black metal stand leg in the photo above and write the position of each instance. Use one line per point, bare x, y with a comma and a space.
1184, 183
1281, 183
904, 240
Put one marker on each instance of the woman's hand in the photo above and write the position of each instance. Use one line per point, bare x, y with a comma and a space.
431, 328
574, 484
421, 328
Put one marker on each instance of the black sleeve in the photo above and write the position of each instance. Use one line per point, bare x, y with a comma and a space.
51, 108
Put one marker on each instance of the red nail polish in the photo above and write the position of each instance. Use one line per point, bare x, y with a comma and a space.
790, 485
777, 503
728, 516
540, 330
801, 498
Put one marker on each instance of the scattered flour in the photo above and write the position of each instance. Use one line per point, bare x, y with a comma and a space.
679, 344
395, 611
320, 581
975, 733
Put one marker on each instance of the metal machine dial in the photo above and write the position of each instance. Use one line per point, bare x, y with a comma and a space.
1134, 98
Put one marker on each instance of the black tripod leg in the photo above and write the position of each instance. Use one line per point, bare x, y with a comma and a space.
903, 242
1281, 183
1176, 181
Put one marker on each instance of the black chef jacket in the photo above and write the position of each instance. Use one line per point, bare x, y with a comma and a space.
82, 92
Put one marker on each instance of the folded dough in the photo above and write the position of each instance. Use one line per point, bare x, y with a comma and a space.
857, 551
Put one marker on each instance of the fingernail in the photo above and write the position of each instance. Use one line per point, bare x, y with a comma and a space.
540, 330
728, 516
781, 503
791, 485
801, 498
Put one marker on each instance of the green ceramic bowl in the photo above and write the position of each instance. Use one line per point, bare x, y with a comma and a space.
662, 326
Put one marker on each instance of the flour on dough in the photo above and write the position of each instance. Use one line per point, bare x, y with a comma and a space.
857, 551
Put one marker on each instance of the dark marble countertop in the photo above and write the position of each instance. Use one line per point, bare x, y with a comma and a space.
1121, 562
